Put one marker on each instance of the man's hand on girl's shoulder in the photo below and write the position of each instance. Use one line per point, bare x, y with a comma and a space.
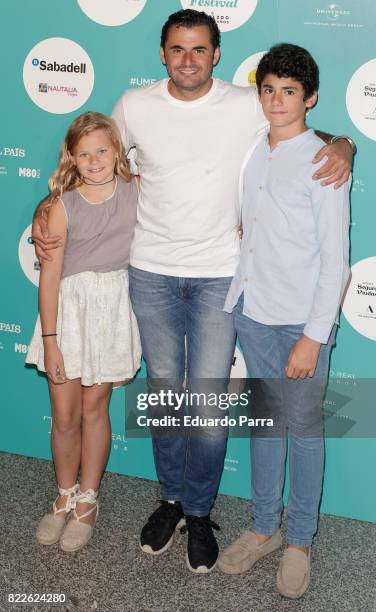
43, 242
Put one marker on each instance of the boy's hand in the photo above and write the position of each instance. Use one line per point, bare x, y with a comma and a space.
54, 362
337, 167
39, 233
302, 359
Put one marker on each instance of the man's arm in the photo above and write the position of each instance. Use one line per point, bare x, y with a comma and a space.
39, 233
337, 168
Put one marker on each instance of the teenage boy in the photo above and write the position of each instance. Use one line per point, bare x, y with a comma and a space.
185, 251
285, 297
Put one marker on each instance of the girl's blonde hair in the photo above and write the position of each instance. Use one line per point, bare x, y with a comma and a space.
66, 177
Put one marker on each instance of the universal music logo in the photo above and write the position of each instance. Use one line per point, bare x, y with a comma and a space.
332, 11
332, 15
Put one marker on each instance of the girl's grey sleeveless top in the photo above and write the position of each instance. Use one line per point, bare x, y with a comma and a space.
99, 235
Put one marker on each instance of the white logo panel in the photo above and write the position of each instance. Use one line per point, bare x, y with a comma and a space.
245, 76
58, 75
359, 306
229, 14
112, 12
361, 99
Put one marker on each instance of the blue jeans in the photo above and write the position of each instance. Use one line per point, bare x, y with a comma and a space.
297, 407
185, 335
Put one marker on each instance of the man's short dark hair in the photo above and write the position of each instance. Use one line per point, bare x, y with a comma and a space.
190, 18
290, 61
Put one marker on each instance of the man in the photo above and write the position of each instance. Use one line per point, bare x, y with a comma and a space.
190, 133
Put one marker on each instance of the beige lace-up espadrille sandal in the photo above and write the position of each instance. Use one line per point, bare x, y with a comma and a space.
51, 526
77, 534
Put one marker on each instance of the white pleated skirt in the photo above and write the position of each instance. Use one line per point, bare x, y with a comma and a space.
96, 329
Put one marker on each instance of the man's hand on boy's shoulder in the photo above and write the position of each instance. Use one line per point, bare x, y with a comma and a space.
303, 358
337, 167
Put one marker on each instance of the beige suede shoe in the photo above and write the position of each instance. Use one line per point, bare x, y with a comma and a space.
294, 573
51, 526
242, 554
76, 534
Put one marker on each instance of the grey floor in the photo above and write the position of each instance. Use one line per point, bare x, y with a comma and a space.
112, 575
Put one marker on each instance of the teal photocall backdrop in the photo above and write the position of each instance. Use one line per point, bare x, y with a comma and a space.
111, 46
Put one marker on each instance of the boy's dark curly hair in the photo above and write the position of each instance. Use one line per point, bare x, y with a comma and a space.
286, 60
190, 18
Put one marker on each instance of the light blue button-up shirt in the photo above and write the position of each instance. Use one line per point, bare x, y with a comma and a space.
294, 255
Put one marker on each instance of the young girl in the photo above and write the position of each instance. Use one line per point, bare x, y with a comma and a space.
86, 336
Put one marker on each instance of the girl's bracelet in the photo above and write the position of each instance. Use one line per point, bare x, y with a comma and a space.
45, 335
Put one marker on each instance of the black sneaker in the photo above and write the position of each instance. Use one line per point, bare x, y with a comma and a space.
202, 552
158, 533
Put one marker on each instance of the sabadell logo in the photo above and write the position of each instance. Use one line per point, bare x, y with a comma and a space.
112, 12
58, 75
229, 14
55, 67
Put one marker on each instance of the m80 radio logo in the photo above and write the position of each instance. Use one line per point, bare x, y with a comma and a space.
29, 172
